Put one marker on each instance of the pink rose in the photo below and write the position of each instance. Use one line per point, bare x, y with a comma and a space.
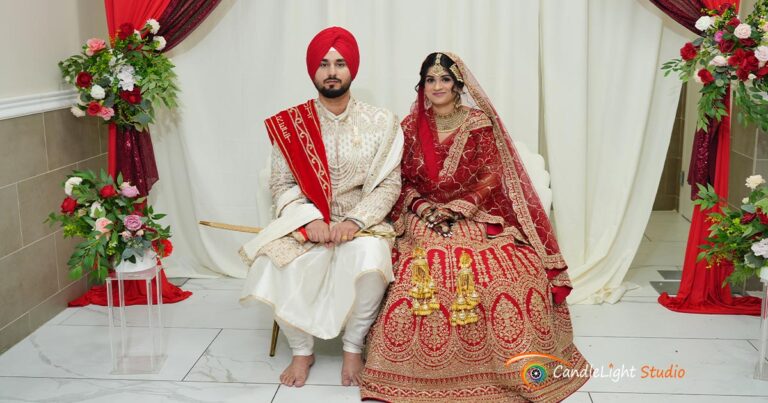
742, 31
129, 191
718, 36
101, 225
761, 53
132, 222
94, 46
126, 235
106, 113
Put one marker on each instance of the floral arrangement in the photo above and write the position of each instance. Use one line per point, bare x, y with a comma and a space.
738, 235
124, 83
729, 50
115, 223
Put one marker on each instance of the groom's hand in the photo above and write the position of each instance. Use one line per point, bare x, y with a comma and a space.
343, 232
318, 231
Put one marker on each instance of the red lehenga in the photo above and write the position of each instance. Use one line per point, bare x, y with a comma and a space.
515, 262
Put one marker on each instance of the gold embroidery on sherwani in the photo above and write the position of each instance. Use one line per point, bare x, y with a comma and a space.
362, 134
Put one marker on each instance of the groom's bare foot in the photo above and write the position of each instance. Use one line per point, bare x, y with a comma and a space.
351, 368
297, 372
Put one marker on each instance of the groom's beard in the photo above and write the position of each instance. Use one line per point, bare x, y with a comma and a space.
340, 90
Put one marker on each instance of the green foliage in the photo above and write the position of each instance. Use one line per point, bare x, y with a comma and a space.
736, 235
152, 73
750, 85
106, 243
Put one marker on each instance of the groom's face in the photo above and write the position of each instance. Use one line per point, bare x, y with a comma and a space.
333, 78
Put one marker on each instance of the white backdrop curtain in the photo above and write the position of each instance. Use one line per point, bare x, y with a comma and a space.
607, 114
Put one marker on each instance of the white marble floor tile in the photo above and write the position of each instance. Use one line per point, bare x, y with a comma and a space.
13, 389
84, 352
223, 283
243, 356
667, 227
670, 398
641, 277
630, 319
712, 367
205, 309
660, 254
578, 397
318, 393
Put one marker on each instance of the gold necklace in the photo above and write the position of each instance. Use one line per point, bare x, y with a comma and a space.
451, 121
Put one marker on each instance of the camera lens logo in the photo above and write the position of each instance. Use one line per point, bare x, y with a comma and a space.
534, 373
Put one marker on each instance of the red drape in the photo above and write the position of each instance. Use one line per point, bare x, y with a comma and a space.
130, 152
181, 17
701, 289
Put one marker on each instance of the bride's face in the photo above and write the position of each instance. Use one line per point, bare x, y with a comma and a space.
438, 86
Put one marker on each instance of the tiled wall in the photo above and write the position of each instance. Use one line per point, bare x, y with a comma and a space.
668, 193
36, 154
749, 156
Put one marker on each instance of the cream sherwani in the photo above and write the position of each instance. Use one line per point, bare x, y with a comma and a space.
313, 289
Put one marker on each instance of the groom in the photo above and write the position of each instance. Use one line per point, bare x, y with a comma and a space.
335, 171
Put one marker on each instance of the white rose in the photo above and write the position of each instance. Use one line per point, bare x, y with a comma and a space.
761, 53
97, 92
159, 42
126, 77
77, 111
703, 23
754, 181
745, 200
96, 208
743, 31
760, 248
154, 26
719, 61
137, 34
70, 183
751, 76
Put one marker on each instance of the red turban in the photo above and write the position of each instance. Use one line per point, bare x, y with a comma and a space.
334, 37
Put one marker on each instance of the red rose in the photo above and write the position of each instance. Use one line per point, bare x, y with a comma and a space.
69, 205
750, 62
133, 96
734, 22
688, 51
748, 42
84, 79
93, 108
742, 74
748, 217
763, 217
726, 46
737, 58
705, 76
762, 72
167, 247
108, 191
125, 30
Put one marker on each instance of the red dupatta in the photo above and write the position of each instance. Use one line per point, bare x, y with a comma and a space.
296, 132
